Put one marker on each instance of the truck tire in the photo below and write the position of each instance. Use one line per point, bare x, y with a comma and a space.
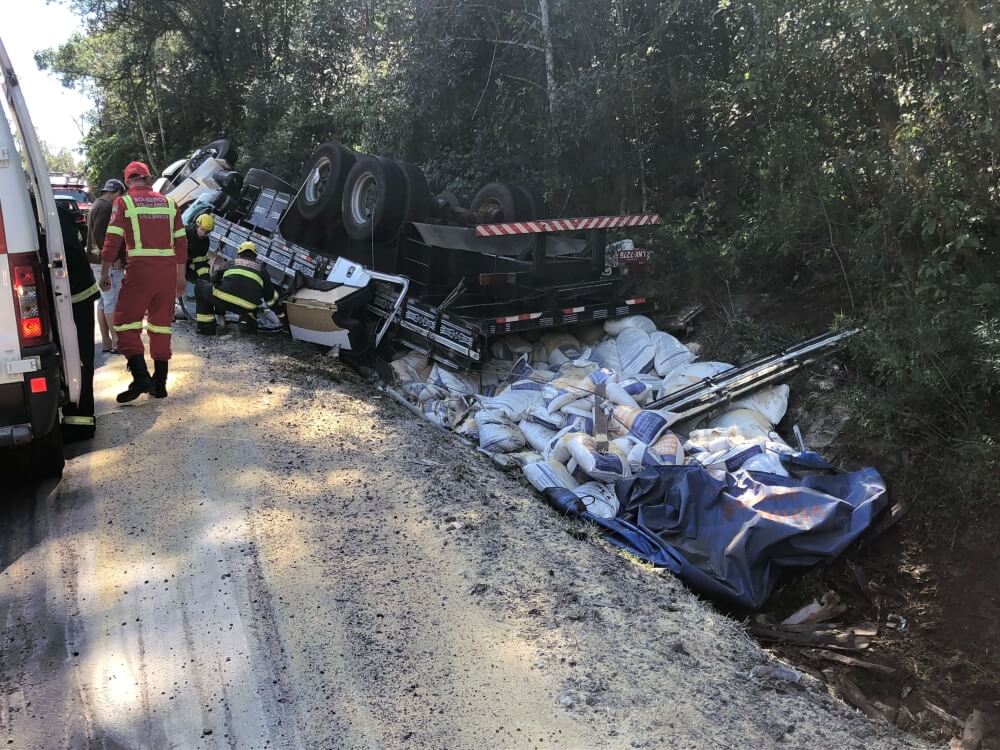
326, 174
265, 180
231, 183
504, 201
538, 208
222, 149
375, 199
418, 195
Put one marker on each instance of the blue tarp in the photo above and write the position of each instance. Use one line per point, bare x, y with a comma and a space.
733, 538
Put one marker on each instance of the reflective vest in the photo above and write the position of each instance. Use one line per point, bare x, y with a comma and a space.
244, 284
150, 225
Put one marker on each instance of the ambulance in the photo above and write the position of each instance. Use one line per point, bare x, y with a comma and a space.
39, 357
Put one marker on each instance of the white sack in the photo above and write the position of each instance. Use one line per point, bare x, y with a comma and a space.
671, 354
539, 415
544, 475
636, 351
600, 499
558, 447
642, 424
497, 433
537, 436
771, 402
607, 467
456, 383
615, 327
515, 400
690, 374
560, 347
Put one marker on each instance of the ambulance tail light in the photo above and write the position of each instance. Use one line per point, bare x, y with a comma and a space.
29, 300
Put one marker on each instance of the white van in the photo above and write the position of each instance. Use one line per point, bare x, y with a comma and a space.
39, 358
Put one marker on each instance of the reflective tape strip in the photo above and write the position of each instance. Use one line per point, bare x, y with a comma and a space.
179, 233
158, 329
234, 300
198, 259
116, 231
149, 211
151, 253
131, 215
84, 421
203, 271
203, 318
128, 327
274, 298
244, 273
81, 296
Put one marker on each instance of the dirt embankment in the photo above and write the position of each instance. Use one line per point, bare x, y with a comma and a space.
277, 556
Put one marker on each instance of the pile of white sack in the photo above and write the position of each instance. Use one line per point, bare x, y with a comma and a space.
535, 402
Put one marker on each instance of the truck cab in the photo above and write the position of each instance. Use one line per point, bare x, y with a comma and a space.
39, 358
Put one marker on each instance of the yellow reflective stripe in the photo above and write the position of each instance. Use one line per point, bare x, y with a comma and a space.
134, 218
128, 327
116, 230
197, 259
274, 298
203, 318
243, 272
88, 421
157, 253
203, 271
81, 296
179, 233
158, 329
234, 300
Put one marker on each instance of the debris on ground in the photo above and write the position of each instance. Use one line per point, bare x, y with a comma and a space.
620, 424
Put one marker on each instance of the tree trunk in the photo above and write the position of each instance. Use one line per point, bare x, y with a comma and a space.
550, 64
142, 133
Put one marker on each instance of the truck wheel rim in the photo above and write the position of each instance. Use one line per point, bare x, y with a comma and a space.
364, 194
317, 181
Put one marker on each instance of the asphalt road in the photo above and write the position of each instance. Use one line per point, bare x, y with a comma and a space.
277, 557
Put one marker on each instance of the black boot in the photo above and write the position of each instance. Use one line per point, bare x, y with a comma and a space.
159, 378
140, 380
206, 329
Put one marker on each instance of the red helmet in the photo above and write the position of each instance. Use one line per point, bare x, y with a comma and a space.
136, 169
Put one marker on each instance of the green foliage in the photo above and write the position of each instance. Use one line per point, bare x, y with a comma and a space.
849, 146
62, 160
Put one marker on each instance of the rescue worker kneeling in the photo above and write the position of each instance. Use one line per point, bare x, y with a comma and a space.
241, 287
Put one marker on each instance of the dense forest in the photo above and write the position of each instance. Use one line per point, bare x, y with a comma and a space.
843, 147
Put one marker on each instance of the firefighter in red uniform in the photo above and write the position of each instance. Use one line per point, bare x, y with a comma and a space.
156, 246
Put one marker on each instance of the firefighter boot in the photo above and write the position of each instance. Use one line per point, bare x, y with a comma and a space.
140, 380
159, 378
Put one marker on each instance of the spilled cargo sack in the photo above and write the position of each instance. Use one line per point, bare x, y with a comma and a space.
771, 403
540, 415
671, 354
606, 467
497, 432
456, 383
560, 348
538, 437
515, 400
598, 498
691, 374
635, 351
545, 475
640, 322
642, 424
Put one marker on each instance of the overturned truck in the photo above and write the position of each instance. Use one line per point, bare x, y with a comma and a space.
445, 279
